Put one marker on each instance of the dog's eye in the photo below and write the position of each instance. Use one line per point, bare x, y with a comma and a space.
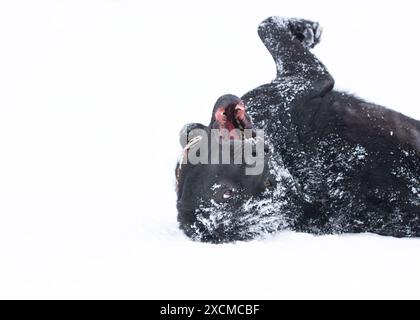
268, 183
228, 194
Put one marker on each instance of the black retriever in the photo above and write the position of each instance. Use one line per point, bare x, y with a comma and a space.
333, 162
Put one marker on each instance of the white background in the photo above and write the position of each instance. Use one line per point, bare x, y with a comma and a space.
92, 95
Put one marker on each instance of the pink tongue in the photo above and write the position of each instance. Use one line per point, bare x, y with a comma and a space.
230, 126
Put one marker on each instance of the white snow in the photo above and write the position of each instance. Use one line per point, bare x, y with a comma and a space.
92, 97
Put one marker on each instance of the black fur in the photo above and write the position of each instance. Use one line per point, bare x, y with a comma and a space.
337, 164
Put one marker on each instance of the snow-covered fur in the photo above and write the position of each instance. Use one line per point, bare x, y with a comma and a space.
337, 164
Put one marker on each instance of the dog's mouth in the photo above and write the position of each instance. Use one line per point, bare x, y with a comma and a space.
233, 121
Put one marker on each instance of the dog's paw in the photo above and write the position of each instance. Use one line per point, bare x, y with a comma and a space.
307, 32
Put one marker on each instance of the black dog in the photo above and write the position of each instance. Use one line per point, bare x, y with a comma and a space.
337, 164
